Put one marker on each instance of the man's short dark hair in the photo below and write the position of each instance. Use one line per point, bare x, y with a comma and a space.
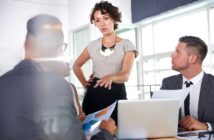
198, 44
47, 29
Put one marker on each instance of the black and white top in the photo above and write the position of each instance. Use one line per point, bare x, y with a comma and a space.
111, 64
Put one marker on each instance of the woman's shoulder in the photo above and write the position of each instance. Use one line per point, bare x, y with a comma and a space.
128, 41
128, 46
125, 42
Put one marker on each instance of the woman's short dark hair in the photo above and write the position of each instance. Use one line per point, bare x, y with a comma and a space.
198, 44
106, 7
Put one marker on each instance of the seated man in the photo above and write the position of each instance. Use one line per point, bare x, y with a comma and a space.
37, 104
187, 59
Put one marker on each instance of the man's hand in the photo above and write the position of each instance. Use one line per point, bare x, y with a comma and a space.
109, 125
189, 123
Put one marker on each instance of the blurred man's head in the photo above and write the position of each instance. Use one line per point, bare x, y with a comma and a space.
44, 37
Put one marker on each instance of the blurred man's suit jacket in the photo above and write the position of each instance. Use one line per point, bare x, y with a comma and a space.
38, 105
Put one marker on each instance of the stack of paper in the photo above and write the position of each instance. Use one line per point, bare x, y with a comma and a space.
179, 94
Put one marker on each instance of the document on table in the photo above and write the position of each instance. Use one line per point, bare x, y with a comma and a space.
180, 94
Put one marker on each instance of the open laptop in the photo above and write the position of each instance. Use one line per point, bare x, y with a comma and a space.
154, 118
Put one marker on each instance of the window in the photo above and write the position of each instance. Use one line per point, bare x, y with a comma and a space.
131, 85
211, 17
159, 39
79, 39
147, 40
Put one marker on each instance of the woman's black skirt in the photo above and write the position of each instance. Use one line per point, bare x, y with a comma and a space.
98, 98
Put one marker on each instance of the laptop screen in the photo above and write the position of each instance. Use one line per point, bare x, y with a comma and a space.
147, 118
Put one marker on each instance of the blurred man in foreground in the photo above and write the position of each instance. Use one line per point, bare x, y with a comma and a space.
37, 104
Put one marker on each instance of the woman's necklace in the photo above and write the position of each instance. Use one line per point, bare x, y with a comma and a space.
104, 51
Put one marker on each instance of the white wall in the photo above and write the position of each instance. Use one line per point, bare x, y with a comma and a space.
80, 10
13, 17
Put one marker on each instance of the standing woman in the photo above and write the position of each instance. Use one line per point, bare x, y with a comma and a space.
112, 59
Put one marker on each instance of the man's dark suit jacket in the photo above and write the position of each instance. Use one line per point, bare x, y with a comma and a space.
38, 105
206, 97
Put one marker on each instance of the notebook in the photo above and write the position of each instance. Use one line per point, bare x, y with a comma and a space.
154, 118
